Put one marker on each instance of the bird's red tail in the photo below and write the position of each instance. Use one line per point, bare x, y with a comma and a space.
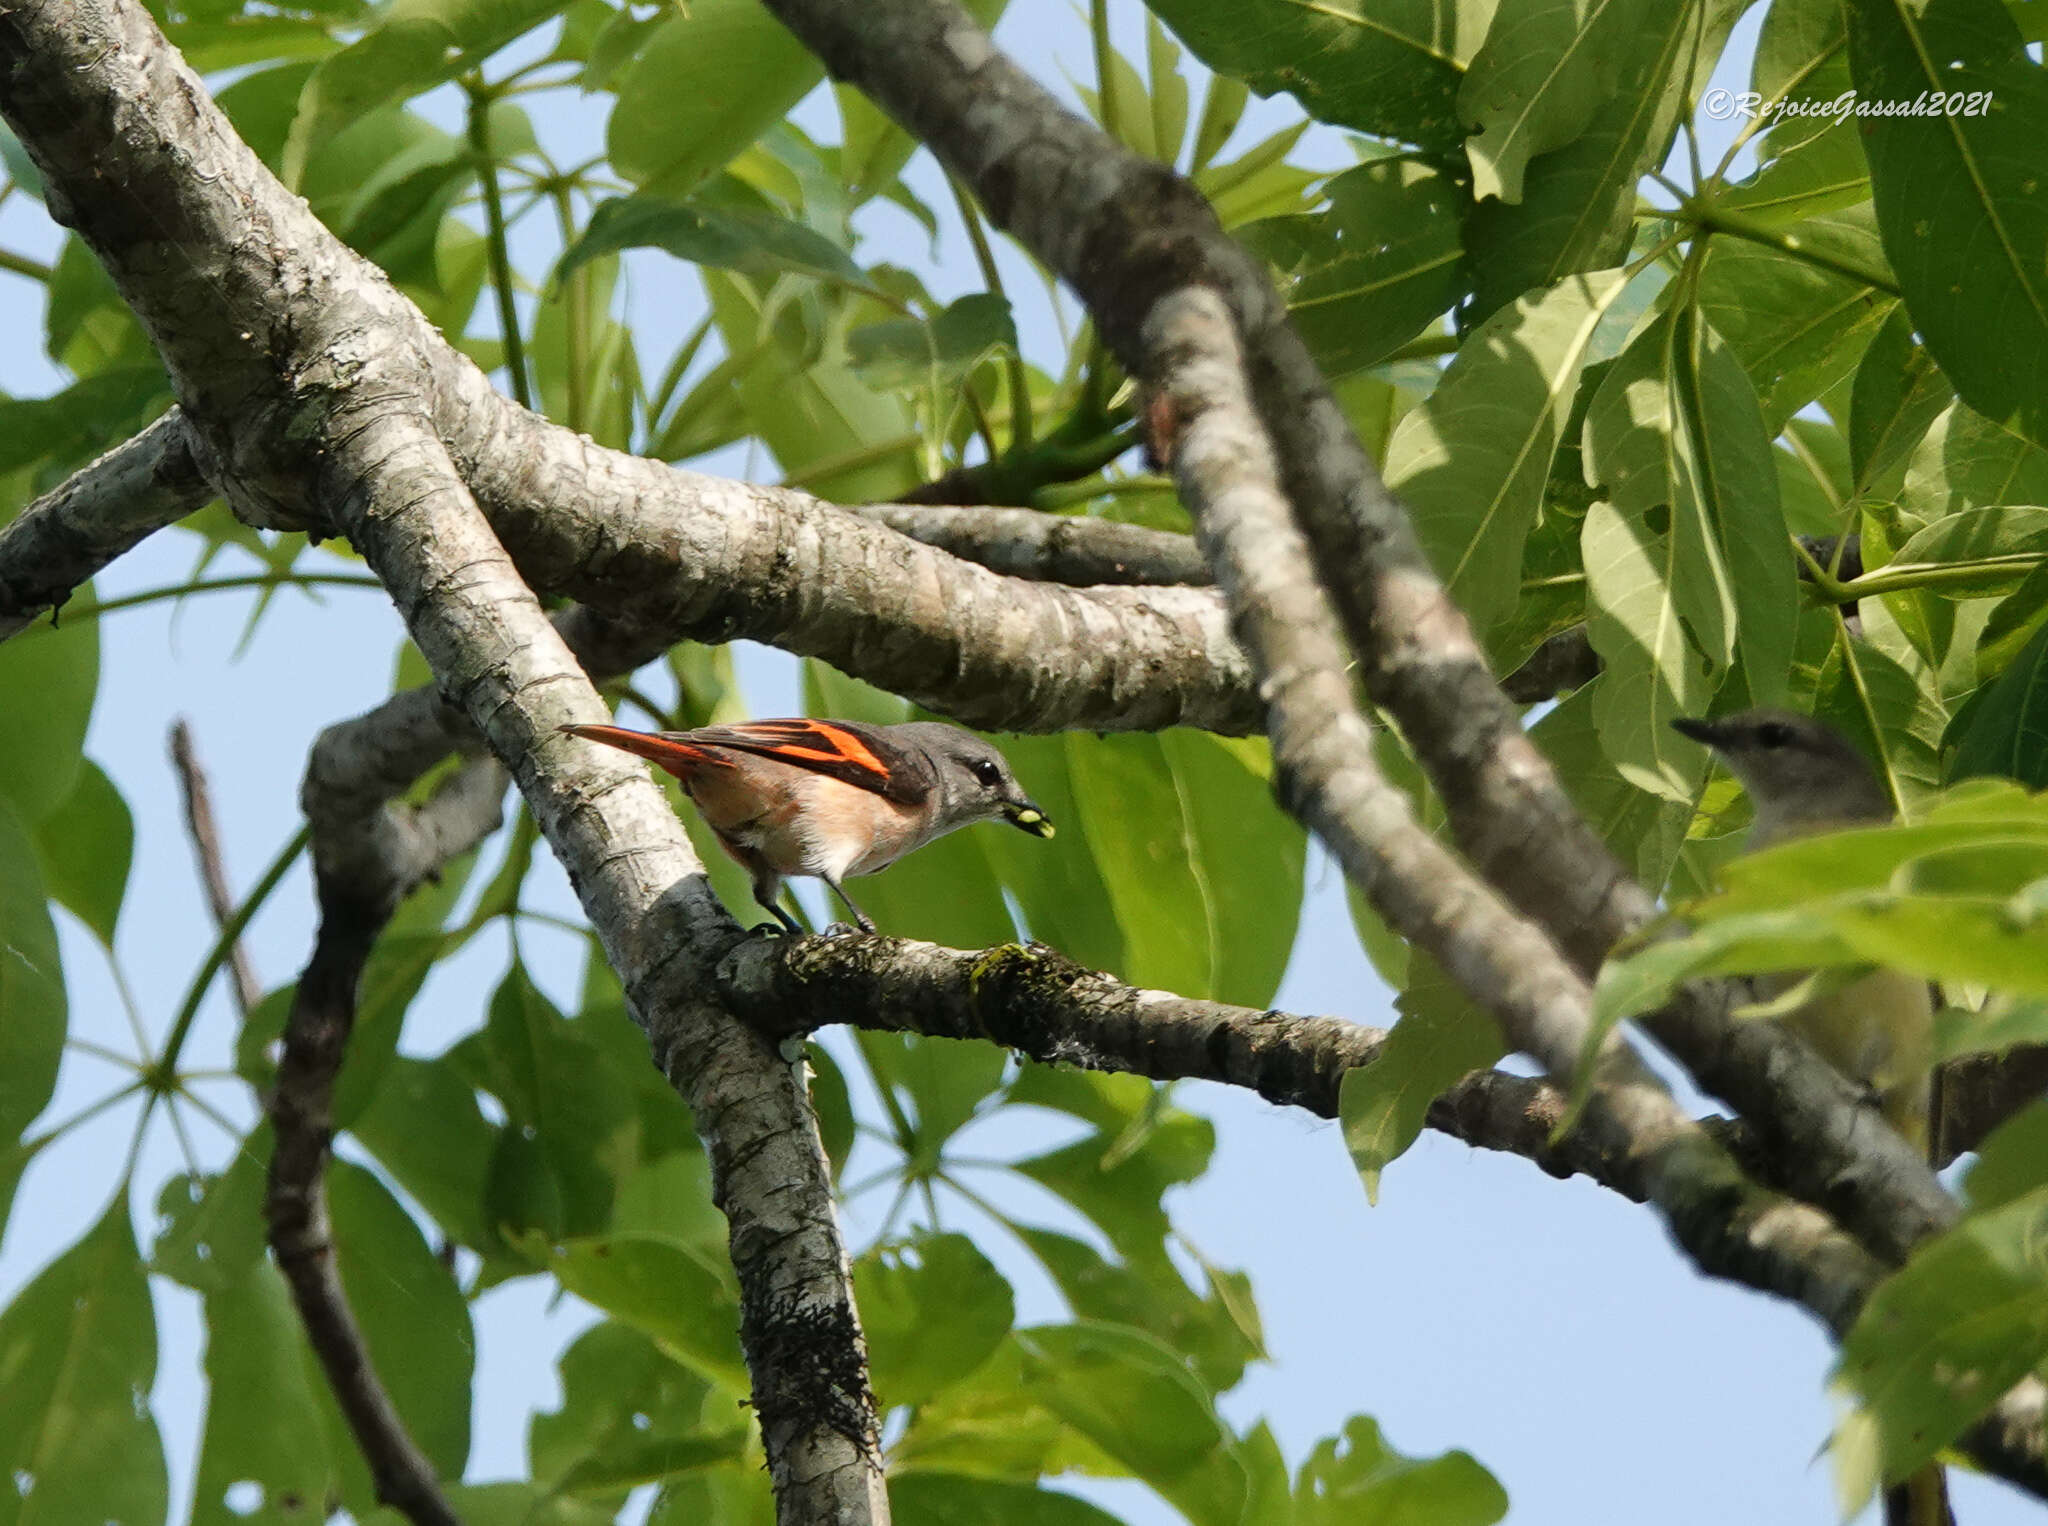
670, 751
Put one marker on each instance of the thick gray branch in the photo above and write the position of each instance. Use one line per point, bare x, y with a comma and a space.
716, 560
1052, 548
100, 511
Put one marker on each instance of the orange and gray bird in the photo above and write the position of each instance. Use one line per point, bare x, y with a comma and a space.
831, 799
1802, 777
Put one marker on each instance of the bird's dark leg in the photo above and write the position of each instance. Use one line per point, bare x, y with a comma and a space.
860, 917
768, 891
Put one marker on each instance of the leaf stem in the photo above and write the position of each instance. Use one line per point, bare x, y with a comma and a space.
1711, 217
495, 250
230, 933
985, 257
218, 585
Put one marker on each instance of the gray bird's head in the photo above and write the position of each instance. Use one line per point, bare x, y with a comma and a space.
1801, 774
974, 780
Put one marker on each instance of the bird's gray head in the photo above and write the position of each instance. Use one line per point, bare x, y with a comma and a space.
1801, 774
974, 780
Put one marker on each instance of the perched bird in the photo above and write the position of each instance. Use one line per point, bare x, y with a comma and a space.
831, 799
1802, 776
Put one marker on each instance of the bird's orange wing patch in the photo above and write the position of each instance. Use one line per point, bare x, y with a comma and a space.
859, 757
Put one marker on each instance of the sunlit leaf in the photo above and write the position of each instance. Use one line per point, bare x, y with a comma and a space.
933, 1309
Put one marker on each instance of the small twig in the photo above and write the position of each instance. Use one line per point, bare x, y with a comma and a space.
199, 820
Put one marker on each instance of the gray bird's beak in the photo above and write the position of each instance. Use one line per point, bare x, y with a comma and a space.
1026, 817
1706, 733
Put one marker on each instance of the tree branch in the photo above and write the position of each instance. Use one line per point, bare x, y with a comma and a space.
213, 875
1125, 232
1052, 548
100, 511
717, 560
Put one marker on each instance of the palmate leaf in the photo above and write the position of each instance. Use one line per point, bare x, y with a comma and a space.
33, 1002
86, 846
1965, 461
730, 238
264, 1421
1958, 192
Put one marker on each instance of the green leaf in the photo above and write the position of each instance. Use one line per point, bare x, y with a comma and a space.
73, 426
85, 846
941, 1086
1578, 201
2008, 728
1643, 829
933, 1309
674, 1293
1393, 73
2004, 1024
1961, 192
1365, 276
619, 1393
1133, 1398
1440, 1039
1546, 68
1358, 1477
1059, 888
821, 421
1218, 1333
1886, 712
730, 238
713, 79
1797, 329
1104, 1177
1473, 460
415, 45
32, 993
906, 352
956, 1499
1898, 393
264, 1424
48, 680
78, 1347
212, 1231
571, 1131
2010, 540
509, 1504
1965, 461
414, 1321
1941, 1340
1201, 866
2010, 1163
424, 1127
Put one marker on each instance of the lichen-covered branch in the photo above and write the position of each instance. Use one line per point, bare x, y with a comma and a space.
100, 511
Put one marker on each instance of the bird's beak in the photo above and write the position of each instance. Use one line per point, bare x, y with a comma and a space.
1026, 817
1706, 733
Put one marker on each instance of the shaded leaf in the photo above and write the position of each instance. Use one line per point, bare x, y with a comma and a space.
670, 1291
1393, 73
32, 994
85, 846
1961, 192
1473, 460
78, 1347
933, 1309
264, 1425
730, 238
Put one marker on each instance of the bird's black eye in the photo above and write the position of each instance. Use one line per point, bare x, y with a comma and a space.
1774, 734
986, 771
